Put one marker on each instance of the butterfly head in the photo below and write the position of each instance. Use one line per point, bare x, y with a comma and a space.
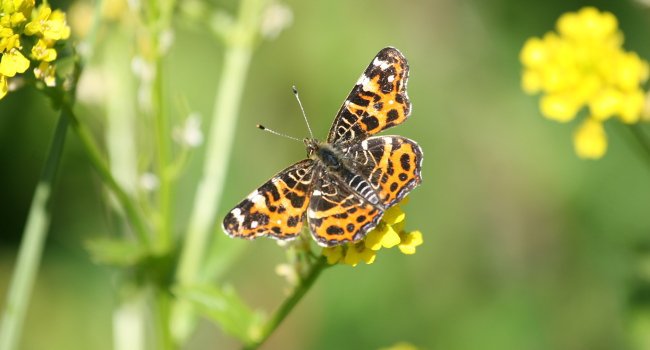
324, 153
312, 146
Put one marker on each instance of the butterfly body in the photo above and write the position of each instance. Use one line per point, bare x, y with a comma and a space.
347, 182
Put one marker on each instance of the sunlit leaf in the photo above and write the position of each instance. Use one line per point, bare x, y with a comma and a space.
225, 307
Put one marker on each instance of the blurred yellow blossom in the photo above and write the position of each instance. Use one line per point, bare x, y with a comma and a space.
584, 66
388, 233
401, 346
590, 140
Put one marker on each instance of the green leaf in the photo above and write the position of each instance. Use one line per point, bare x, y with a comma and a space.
115, 252
225, 307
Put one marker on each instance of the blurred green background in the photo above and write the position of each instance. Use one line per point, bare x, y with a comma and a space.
525, 245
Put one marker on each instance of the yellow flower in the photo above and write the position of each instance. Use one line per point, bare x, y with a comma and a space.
383, 236
409, 241
50, 25
584, 66
333, 254
8, 40
3, 86
388, 233
43, 52
45, 72
13, 62
22, 8
357, 252
590, 140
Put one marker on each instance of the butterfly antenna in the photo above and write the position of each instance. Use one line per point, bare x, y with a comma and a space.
295, 92
262, 127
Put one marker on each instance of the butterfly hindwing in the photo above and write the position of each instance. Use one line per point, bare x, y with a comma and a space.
337, 214
378, 100
276, 208
391, 164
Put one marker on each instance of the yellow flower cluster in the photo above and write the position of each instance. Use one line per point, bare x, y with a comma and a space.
388, 233
583, 65
32, 32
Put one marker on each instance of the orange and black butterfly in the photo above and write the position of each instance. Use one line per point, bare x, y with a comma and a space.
347, 182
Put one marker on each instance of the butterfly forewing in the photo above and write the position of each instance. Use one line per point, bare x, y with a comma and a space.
276, 208
377, 102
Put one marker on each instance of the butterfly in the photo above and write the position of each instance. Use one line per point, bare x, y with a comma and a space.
347, 182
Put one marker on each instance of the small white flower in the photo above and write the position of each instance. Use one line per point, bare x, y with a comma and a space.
288, 272
275, 19
165, 41
142, 69
190, 133
149, 181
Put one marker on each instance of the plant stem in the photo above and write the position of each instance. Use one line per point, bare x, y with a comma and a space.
100, 166
288, 305
239, 49
31, 247
217, 155
161, 317
162, 139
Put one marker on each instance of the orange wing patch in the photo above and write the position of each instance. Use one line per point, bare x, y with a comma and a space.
392, 165
276, 208
378, 100
337, 215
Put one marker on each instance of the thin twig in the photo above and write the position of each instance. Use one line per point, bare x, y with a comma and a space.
288, 305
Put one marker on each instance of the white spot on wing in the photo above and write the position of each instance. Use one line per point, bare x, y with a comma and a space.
238, 216
379, 63
391, 78
256, 197
317, 193
364, 145
391, 102
364, 81
254, 224
279, 222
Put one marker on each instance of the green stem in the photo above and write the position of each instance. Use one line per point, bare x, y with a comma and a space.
163, 334
31, 247
642, 140
100, 166
239, 49
210, 186
288, 305
163, 138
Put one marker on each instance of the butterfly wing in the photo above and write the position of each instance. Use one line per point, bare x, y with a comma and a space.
391, 165
337, 214
377, 102
276, 208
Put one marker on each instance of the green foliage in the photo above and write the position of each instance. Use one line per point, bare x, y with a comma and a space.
226, 308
